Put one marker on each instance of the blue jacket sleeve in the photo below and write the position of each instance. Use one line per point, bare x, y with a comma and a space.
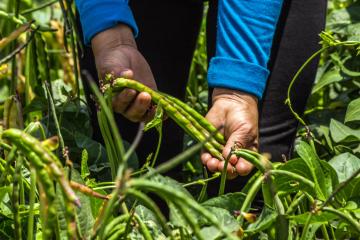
245, 31
99, 15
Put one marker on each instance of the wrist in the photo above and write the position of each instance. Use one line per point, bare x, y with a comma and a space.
233, 95
117, 36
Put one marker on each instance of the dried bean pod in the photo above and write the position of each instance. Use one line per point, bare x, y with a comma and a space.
29, 145
87, 191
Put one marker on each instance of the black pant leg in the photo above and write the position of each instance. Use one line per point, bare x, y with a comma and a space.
295, 40
167, 39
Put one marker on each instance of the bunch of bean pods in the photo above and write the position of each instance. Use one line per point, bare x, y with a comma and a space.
192, 122
48, 169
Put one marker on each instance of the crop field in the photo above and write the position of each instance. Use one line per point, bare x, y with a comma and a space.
57, 182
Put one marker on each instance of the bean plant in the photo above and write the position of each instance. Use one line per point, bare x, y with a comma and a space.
55, 178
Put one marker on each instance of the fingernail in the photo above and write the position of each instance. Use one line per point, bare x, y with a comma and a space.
126, 73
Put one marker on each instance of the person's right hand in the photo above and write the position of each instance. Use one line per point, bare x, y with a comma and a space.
116, 53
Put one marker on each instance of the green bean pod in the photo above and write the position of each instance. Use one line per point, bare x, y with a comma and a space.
190, 129
198, 117
143, 228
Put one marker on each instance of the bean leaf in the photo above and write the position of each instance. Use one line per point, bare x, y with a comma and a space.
353, 111
345, 165
329, 77
286, 184
312, 160
342, 133
230, 201
265, 220
228, 222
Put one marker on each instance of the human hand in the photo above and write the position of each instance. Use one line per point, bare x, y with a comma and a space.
237, 112
115, 52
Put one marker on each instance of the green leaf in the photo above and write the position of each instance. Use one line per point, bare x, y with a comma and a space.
311, 159
353, 111
350, 191
330, 177
265, 220
329, 77
310, 233
326, 134
230, 201
226, 220
286, 184
339, 19
150, 221
145, 214
342, 133
3, 191
84, 214
345, 165
96, 152
175, 216
177, 219
319, 217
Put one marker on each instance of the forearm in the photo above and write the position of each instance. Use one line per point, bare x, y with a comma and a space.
244, 39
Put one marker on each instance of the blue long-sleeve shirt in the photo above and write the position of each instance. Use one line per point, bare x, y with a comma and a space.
245, 32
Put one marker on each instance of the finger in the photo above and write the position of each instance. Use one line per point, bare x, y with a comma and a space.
232, 175
205, 157
150, 113
233, 159
121, 101
243, 167
212, 164
230, 169
138, 108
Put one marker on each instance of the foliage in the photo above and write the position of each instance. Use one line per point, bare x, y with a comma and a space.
48, 188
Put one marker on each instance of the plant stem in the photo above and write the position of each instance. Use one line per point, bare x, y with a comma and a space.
160, 132
166, 166
149, 203
294, 176
306, 227
163, 190
223, 175
324, 232
346, 217
56, 121
202, 181
288, 99
250, 197
108, 113
294, 204
41, 6
30, 229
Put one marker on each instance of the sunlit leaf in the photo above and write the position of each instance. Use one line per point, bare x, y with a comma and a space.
340, 132
353, 111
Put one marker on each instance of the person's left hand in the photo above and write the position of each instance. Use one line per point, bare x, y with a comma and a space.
237, 112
